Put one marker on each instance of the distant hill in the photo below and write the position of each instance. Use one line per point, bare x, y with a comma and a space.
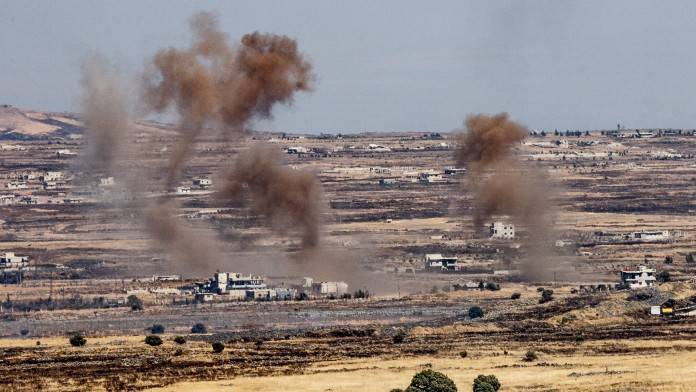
19, 124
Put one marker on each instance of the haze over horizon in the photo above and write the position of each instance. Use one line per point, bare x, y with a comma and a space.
393, 65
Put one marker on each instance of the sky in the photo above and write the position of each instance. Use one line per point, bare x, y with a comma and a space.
393, 65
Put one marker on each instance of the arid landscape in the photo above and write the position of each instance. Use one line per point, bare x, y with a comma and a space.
214, 205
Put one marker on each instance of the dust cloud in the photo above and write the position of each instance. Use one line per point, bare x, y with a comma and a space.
500, 183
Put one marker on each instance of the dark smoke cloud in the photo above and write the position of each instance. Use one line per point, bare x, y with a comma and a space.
488, 139
105, 113
214, 84
288, 197
501, 184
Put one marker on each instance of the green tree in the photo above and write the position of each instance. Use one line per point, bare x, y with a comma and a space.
78, 340
179, 340
546, 296
218, 347
475, 312
431, 381
134, 302
153, 340
199, 328
487, 383
690, 258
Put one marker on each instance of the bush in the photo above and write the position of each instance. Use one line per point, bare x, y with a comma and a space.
690, 258
431, 381
515, 296
361, 294
134, 302
492, 286
475, 312
78, 340
179, 352
399, 337
157, 328
463, 354
218, 347
153, 340
546, 296
669, 259
487, 383
24, 332
199, 328
346, 296
179, 340
530, 356
664, 277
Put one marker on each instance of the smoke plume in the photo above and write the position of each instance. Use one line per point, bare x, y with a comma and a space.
501, 184
288, 197
487, 140
212, 83
105, 113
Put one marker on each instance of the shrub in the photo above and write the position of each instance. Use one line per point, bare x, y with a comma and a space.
431, 381
361, 294
179, 340
178, 352
669, 259
134, 302
38, 342
663, 276
492, 286
199, 328
153, 340
78, 340
546, 296
399, 337
530, 356
690, 258
515, 296
24, 332
218, 347
475, 312
157, 328
397, 390
463, 354
487, 383
346, 296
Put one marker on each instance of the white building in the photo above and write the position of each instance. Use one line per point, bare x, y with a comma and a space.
183, 190
6, 200
51, 176
16, 185
638, 278
501, 230
297, 150
65, 153
329, 288
10, 260
661, 235
108, 181
435, 262
202, 182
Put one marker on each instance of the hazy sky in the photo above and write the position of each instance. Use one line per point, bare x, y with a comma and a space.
394, 65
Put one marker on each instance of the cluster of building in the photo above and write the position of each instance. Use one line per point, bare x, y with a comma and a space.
231, 286
198, 184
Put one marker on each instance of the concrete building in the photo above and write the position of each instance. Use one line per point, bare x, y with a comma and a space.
16, 185
51, 176
661, 235
108, 181
183, 190
329, 288
10, 260
638, 278
6, 200
202, 182
435, 262
297, 150
501, 230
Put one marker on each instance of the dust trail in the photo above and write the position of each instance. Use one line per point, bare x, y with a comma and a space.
288, 197
501, 184
106, 115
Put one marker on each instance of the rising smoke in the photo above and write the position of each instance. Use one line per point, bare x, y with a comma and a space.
502, 184
215, 84
288, 197
212, 84
106, 115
